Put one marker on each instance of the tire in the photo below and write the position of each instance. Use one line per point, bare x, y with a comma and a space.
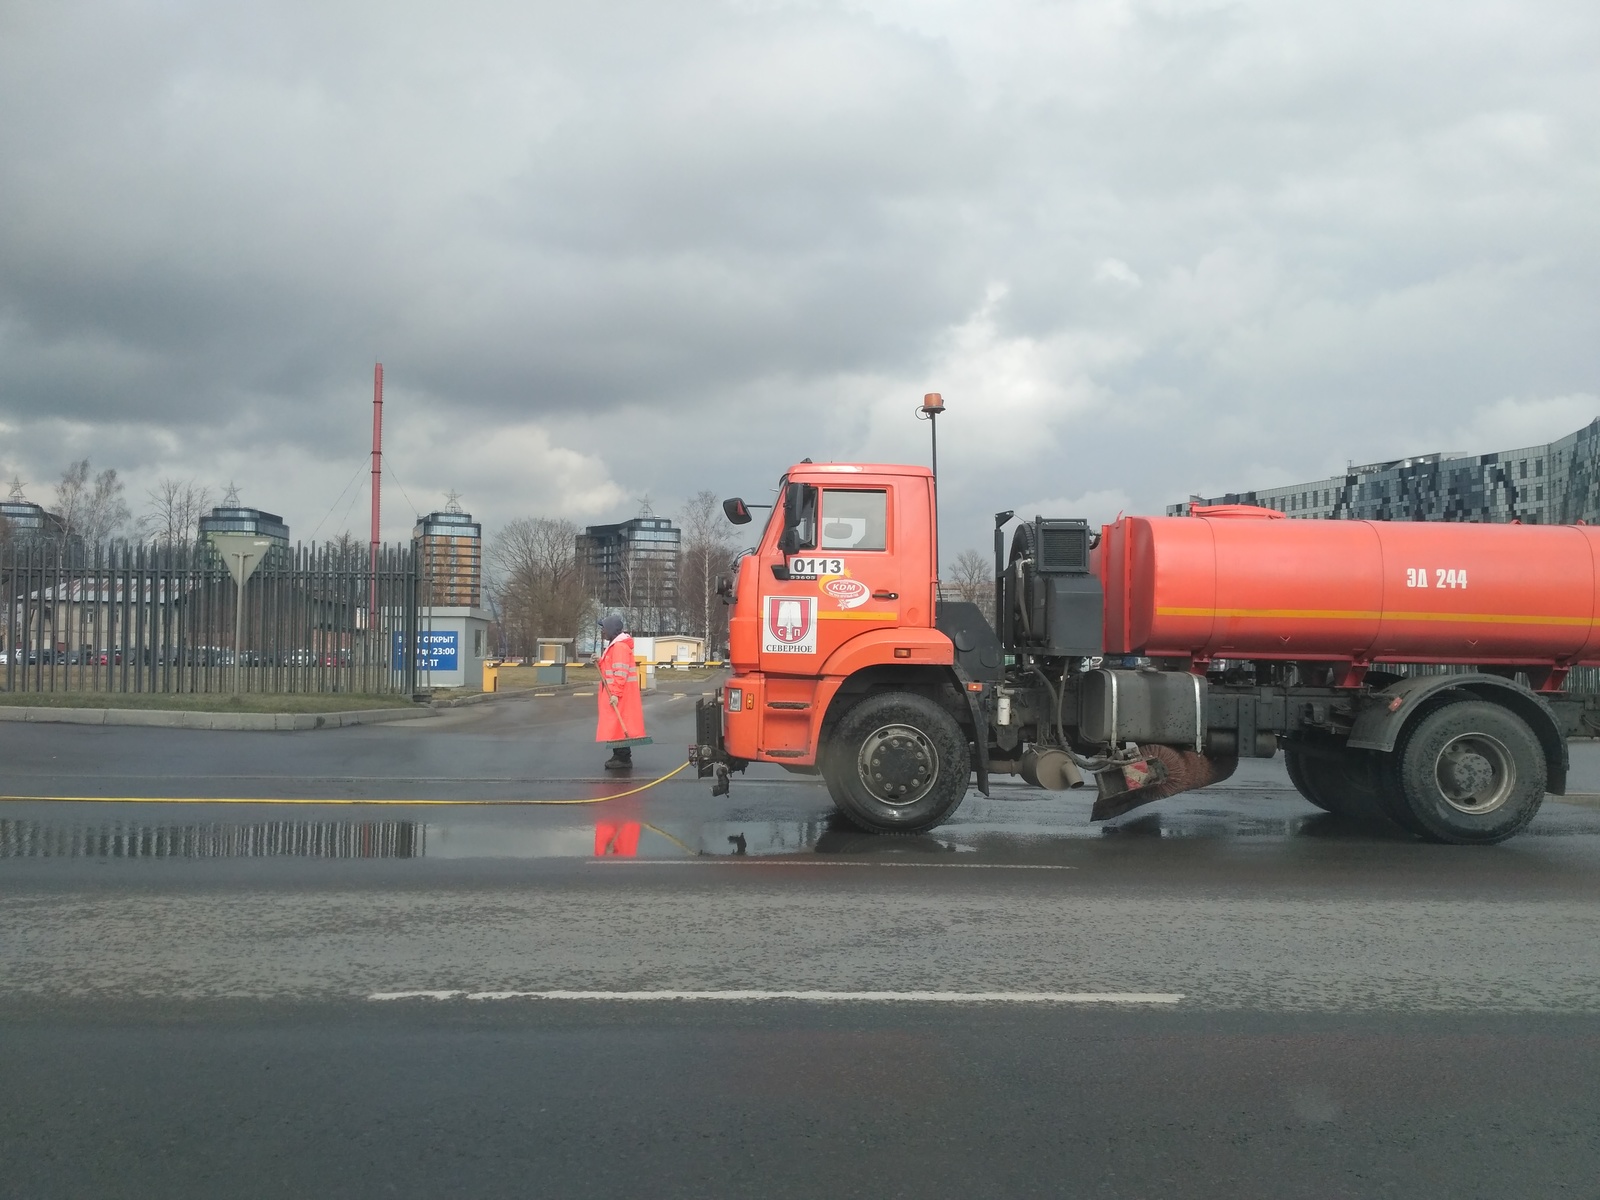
897, 763
1339, 785
1469, 774
1302, 775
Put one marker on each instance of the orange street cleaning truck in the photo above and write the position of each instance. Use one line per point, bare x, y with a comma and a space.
1146, 657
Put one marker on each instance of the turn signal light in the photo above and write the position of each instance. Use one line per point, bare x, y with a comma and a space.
902, 651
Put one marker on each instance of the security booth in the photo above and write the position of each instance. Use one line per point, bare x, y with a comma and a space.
551, 667
452, 644
555, 650
679, 649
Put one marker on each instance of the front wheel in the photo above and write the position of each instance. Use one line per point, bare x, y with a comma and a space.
897, 763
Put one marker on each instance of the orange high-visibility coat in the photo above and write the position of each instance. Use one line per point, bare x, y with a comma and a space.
619, 677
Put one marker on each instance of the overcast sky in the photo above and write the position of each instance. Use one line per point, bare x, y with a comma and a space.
614, 249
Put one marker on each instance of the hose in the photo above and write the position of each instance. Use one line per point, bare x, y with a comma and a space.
341, 803
1088, 764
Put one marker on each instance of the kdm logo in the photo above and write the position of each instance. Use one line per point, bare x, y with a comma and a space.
790, 626
850, 593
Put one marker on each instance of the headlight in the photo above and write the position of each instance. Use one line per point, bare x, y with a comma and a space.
735, 700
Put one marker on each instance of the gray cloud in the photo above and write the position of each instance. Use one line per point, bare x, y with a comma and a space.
609, 249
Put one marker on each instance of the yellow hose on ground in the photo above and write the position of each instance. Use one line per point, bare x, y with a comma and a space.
343, 802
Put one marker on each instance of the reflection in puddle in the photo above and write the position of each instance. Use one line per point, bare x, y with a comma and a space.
758, 839
264, 839
1038, 831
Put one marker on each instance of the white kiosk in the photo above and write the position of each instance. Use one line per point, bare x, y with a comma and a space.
451, 646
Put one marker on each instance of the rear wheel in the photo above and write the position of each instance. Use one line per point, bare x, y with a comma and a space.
1337, 781
1306, 779
897, 763
1469, 773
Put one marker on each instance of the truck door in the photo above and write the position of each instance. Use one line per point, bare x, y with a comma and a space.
833, 573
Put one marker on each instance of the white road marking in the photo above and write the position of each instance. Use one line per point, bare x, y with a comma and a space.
541, 695
807, 996
732, 860
583, 693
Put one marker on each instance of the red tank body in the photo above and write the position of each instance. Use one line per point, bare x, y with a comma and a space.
1246, 583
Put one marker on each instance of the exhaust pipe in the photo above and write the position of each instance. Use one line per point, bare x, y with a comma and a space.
1050, 769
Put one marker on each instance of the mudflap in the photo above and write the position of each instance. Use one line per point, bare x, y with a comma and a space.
1126, 787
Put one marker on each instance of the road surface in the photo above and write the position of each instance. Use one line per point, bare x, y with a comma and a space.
1224, 994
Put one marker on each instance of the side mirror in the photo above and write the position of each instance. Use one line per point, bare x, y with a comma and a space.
736, 511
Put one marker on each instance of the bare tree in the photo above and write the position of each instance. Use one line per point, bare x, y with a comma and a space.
90, 506
707, 554
649, 590
176, 506
971, 577
538, 582
72, 498
347, 547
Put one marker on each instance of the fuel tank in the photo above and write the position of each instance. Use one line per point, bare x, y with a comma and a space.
1242, 582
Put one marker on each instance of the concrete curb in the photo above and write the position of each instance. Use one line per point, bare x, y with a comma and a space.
560, 689
473, 698
153, 718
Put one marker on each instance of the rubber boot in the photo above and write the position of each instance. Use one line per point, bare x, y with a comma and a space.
621, 759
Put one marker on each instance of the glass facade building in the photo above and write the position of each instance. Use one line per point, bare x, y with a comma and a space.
235, 519
26, 520
1552, 484
633, 566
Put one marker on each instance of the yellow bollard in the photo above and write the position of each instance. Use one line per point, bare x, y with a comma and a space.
491, 677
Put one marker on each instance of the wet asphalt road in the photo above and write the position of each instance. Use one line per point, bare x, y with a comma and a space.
1329, 1009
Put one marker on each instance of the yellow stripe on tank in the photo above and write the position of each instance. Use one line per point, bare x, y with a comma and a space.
1320, 614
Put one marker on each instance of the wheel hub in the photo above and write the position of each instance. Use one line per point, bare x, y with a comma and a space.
1475, 773
898, 764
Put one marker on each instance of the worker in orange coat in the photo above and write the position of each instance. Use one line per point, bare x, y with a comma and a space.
621, 722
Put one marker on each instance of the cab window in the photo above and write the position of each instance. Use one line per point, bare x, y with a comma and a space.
854, 520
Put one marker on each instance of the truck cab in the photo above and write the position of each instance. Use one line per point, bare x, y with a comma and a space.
842, 579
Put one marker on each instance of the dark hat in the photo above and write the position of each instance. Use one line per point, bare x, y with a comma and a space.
611, 627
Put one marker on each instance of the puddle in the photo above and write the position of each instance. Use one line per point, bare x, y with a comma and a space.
1041, 831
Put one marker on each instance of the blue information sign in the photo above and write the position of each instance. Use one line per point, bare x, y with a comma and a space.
437, 651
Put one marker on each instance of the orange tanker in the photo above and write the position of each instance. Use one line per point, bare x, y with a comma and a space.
1246, 583
1154, 657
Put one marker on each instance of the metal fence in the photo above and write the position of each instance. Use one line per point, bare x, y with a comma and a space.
162, 619
1579, 679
